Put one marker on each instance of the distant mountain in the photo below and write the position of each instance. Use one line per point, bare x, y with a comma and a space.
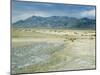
55, 22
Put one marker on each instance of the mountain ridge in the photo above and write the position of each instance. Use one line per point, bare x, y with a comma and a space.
55, 22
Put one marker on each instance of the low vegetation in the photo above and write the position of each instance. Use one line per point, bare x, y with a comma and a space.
42, 50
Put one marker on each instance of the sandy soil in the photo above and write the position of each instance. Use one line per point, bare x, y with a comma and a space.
53, 51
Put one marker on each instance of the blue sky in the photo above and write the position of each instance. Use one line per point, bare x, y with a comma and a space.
23, 10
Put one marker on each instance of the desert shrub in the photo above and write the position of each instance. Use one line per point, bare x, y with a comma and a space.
72, 39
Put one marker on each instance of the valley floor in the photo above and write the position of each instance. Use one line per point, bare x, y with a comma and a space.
46, 50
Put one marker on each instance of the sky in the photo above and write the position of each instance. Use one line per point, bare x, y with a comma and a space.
23, 10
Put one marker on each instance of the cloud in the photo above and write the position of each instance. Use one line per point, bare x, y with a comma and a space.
23, 10
21, 17
88, 13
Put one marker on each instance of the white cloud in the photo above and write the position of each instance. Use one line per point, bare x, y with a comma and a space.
21, 17
88, 13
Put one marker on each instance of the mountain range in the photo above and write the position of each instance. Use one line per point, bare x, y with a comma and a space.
55, 22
